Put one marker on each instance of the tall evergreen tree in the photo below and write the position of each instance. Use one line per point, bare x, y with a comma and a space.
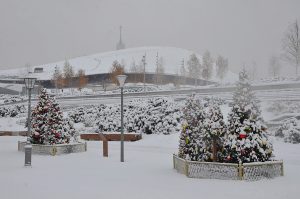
194, 67
222, 67
207, 64
246, 139
68, 74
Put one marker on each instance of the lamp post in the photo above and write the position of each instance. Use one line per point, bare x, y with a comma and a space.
29, 84
122, 79
144, 79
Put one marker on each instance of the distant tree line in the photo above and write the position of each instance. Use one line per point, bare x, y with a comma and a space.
196, 68
68, 78
203, 69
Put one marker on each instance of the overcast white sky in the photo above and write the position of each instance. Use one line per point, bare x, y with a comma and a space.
44, 31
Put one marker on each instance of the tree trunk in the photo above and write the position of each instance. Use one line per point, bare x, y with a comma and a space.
214, 150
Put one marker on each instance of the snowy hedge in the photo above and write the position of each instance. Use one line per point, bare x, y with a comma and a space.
11, 111
157, 116
4, 98
280, 107
289, 131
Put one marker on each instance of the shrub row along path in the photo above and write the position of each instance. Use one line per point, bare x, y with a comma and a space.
263, 92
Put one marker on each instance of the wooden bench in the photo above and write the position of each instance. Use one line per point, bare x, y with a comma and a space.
131, 137
13, 133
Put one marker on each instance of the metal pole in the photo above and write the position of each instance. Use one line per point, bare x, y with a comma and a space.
144, 62
29, 113
122, 128
28, 146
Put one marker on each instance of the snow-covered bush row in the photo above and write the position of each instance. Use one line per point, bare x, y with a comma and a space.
157, 116
207, 101
281, 107
289, 131
4, 98
138, 89
11, 111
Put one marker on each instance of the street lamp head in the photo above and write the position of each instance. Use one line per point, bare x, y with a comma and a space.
29, 82
121, 80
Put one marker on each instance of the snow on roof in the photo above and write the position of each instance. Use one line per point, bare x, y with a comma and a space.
101, 62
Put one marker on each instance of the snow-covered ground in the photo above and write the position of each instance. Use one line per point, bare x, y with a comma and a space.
146, 173
12, 124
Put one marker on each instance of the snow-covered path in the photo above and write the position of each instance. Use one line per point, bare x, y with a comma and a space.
146, 173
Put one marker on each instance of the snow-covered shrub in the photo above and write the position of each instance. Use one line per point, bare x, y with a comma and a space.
68, 129
280, 107
290, 131
207, 101
12, 110
88, 120
157, 115
78, 115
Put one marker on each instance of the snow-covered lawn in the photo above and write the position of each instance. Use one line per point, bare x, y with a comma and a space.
12, 124
146, 173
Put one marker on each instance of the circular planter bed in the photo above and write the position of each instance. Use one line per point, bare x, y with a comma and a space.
228, 171
55, 149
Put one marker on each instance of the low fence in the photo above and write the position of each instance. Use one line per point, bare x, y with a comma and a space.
55, 149
228, 171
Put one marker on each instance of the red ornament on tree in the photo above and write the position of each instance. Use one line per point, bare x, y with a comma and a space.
242, 135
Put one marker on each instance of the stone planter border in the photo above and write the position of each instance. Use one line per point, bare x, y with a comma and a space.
228, 171
55, 149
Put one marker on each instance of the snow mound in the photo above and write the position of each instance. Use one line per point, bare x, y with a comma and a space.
101, 62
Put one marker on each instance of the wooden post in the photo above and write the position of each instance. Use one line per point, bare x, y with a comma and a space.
105, 144
282, 172
174, 161
186, 168
241, 171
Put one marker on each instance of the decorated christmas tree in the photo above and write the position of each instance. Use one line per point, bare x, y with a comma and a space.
246, 139
214, 129
47, 122
191, 143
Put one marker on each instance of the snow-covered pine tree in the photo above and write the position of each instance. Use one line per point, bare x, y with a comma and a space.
214, 129
47, 122
191, 144
56, 135
246, 139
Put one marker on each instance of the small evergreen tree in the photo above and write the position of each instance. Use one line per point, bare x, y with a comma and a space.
191, 144
214, 130
246, 139
47, 122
